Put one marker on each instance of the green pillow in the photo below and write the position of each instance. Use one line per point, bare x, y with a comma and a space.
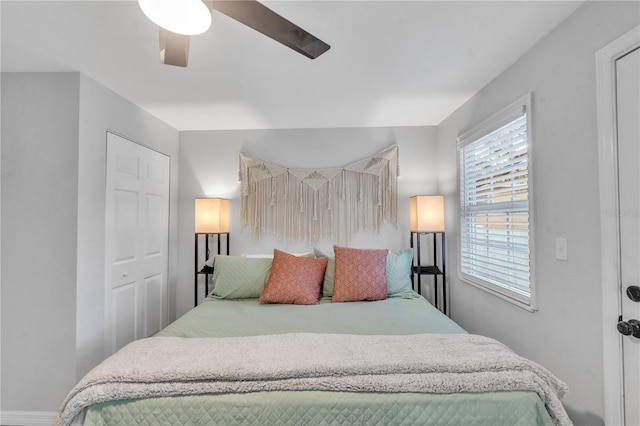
329, 276
239, 277
329, 272
399, 266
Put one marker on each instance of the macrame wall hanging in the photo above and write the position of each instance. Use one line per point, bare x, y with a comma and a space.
319, 204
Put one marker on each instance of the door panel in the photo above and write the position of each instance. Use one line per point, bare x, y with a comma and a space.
126, 225
153, 231
153, 300
124, 314
128, 165
628, 130
156, 173
136, 245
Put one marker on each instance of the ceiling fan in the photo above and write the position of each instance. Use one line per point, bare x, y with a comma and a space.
180, 19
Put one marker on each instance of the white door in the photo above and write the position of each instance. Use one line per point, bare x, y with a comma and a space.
136, 243
628, 130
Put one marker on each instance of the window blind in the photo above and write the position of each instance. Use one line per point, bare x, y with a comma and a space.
494, 208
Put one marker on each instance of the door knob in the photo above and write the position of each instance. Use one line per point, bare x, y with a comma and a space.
631, 327
633, 293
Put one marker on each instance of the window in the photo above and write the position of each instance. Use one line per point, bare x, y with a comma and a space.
494, 172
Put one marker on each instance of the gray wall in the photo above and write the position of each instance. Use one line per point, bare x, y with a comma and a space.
209, 168
565, 335
39, 216
53, 181
102, 110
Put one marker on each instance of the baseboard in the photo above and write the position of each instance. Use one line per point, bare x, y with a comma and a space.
27, 418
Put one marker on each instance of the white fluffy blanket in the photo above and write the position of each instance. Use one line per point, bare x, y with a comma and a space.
425, 363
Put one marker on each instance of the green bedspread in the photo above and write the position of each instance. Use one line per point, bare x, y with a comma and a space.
223, 318
327, 408
246, 317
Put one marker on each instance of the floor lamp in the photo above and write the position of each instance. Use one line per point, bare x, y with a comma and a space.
211, 218
426, 217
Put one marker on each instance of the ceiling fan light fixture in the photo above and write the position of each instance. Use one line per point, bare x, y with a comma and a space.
187, 17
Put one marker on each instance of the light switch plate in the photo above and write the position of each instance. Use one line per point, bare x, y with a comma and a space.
561, 249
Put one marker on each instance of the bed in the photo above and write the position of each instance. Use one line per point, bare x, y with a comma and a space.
240, 360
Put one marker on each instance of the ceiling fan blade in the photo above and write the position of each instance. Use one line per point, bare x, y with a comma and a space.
174, 48
262, 19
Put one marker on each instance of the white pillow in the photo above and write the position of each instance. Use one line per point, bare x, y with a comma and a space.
270, 255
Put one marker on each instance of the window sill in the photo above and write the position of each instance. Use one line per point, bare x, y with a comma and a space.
524, 302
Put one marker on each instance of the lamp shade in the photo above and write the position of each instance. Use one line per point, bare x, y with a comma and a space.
212, 215
188, 17
426, 213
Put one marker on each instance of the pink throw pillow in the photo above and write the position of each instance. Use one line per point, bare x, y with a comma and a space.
360, 275
294, 280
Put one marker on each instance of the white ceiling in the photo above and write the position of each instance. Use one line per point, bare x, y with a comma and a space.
391, 63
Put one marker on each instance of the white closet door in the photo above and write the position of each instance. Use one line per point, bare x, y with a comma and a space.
136, 243
628, 130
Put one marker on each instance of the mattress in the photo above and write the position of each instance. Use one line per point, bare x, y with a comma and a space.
405, 316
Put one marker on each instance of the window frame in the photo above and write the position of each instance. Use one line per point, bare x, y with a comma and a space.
508, 114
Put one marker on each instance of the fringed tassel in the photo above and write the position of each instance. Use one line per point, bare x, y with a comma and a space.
316, 200
286, 185
301, 197
379, 191
273, 192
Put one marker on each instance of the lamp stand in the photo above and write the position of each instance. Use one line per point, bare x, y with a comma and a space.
205, 270
436, 269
